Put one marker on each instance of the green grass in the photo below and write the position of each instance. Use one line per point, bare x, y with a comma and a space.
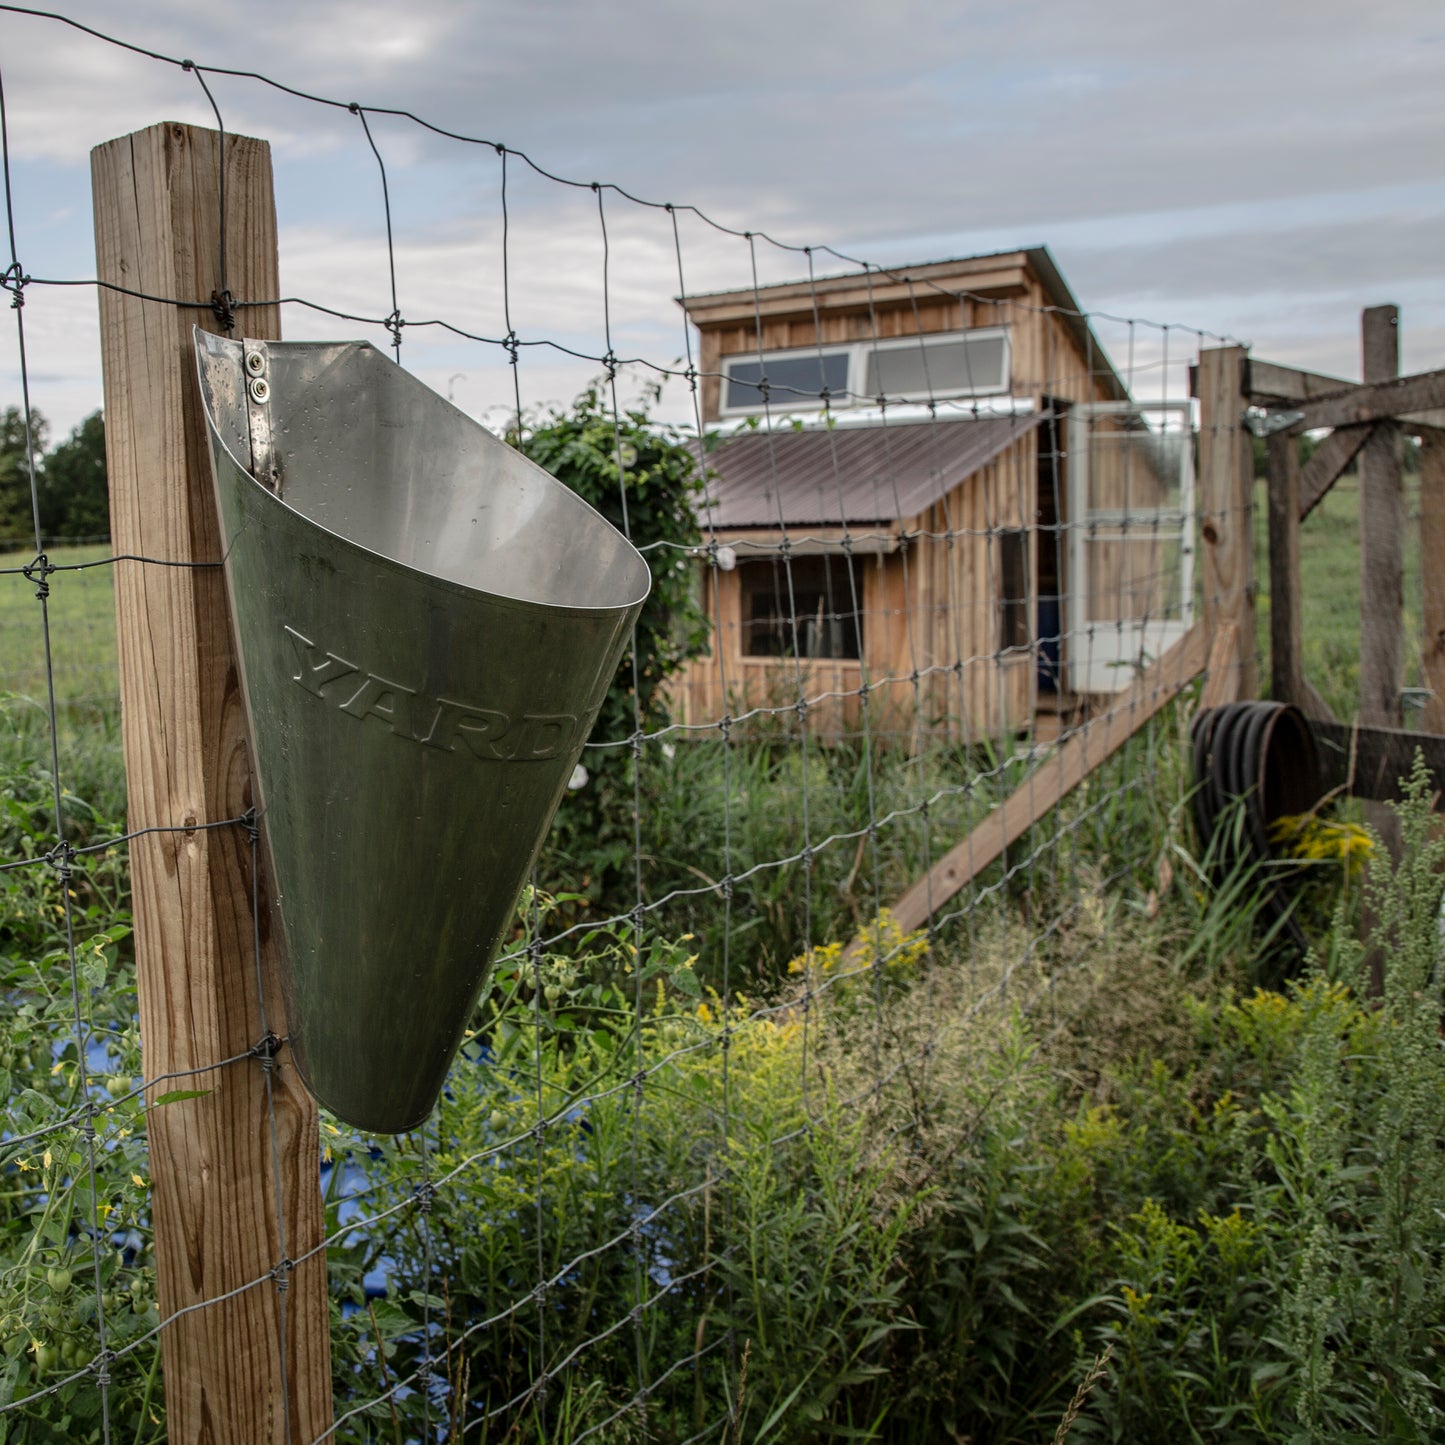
81, 612
1330, 591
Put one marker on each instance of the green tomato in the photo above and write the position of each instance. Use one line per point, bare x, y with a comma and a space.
45, 1358
58, 1278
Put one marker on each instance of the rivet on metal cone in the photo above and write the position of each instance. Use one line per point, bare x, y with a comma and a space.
426, 626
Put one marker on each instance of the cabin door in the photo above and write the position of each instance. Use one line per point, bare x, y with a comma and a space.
1130, 529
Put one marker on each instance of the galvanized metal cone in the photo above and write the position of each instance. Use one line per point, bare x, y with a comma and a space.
426, 625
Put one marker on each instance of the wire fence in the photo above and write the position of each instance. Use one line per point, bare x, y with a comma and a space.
942, 534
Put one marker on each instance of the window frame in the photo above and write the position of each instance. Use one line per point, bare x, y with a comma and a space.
850, 618
858, 353
1015, 635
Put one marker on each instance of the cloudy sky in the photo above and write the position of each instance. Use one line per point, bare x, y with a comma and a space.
1257, 170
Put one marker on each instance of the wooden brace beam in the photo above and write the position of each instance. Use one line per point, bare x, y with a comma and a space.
1054, 779
1327, 465
1374, 401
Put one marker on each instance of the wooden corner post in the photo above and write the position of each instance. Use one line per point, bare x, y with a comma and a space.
1226, 506
1382, 536
232, 1201
1432, 574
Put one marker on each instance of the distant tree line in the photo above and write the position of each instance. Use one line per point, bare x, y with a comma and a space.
71, 483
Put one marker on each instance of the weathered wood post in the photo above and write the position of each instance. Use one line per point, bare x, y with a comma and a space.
231, 1201
1382, 536
1432, 574
1287, 679
1226, 512
1382, 558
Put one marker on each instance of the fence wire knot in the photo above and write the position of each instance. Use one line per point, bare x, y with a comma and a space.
61, 857
14, 279
103, 1363
249, 822
510, 344
266, 1049
39, 572
393, 324
282, 1274
223, 308
424, 1196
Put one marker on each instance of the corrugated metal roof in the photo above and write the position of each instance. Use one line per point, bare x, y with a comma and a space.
821, 477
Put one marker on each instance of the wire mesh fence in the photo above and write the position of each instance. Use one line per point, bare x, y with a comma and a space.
903, 732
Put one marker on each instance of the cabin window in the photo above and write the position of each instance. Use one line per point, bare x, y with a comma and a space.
905, 369
819, 615
972, 364
1013, 591
794, 381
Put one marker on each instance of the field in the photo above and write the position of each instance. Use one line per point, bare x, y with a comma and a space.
1062, 1170
82, 622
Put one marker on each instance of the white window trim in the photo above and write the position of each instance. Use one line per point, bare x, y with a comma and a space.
858, 353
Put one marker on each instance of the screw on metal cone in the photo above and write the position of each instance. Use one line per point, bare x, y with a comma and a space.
426, 625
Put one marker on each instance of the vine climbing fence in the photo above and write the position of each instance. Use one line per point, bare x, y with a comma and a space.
899, 752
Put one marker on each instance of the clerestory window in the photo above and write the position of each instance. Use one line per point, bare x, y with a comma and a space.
905, 369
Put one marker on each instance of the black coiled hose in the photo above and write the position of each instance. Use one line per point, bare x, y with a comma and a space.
1264, 754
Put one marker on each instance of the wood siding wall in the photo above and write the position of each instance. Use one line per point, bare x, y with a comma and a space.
931, 632
933, 609
1049, 357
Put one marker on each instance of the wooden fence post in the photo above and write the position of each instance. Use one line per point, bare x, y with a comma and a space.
1285, 604
1432, 574
1382, 536
1382, 565
255, 1367
1226, 511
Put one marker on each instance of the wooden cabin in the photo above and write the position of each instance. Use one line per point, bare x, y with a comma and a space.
932, 482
